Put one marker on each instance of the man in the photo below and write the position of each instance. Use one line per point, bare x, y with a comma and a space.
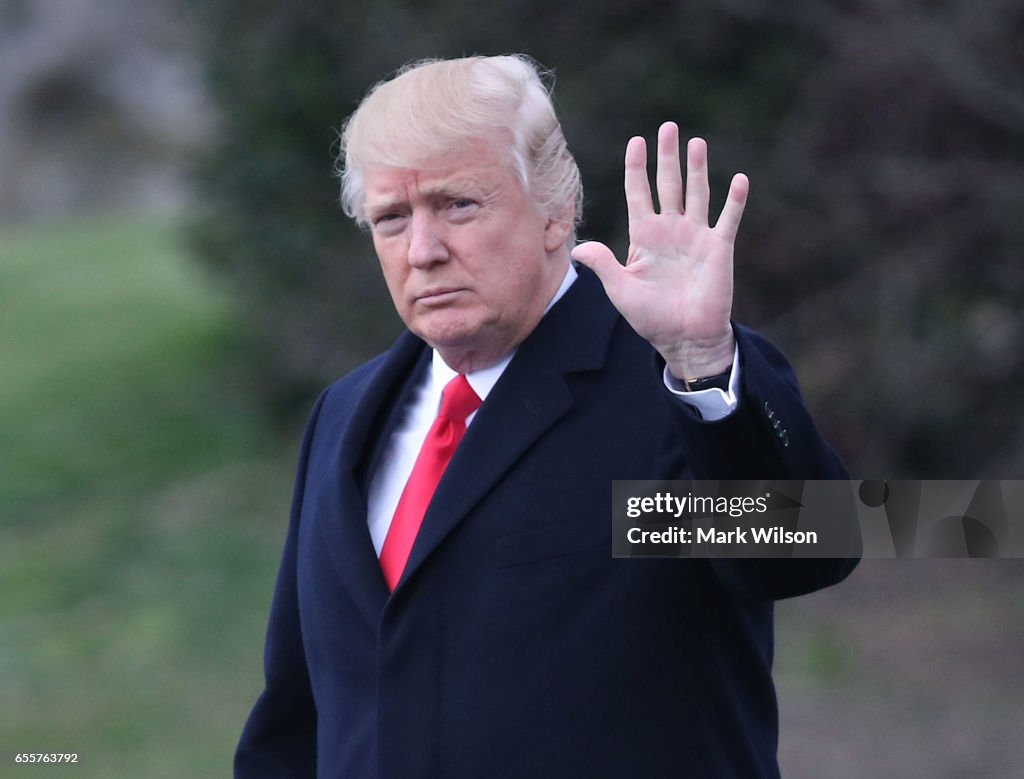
451, 608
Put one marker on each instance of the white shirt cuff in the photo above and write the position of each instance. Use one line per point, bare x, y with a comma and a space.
712, 403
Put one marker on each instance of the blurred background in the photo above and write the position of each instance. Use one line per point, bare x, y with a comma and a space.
177, 282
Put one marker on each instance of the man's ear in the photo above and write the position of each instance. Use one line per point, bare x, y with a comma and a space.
558, 229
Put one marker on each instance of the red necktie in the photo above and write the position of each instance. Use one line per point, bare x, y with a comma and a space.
458, 401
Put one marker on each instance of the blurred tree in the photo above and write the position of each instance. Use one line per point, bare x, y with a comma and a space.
896, 181
883, 140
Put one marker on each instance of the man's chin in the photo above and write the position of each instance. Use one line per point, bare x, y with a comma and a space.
464, 346
445, 330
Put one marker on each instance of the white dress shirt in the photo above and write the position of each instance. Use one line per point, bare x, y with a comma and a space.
402, 449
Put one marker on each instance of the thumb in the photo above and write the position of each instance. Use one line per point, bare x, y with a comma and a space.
600, 259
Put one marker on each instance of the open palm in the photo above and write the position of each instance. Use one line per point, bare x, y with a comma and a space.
676, 287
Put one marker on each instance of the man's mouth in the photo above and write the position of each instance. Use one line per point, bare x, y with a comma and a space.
438, 296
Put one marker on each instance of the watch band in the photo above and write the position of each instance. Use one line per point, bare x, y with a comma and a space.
720, 381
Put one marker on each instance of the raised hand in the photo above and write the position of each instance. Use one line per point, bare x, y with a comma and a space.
676, 287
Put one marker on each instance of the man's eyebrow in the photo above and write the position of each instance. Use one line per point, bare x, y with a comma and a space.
457, 186
385, 204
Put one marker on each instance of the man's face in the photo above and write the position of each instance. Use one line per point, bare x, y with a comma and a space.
468, 258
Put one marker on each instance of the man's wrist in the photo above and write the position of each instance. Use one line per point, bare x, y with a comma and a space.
691, 363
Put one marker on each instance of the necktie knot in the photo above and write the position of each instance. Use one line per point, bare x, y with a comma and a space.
458, 400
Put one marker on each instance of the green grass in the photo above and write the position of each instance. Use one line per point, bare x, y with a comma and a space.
142, 505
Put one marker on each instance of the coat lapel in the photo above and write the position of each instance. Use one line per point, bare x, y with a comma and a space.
531, 396
341, 503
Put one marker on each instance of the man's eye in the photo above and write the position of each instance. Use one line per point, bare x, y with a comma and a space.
387, 220
462, 208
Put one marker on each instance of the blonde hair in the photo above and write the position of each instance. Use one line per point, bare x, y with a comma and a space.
435, 107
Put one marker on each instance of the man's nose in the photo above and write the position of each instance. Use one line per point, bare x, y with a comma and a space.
426, 240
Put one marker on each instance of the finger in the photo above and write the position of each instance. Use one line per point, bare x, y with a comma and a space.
669, 176
600, 259
638, 186
697, 188
729, 221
